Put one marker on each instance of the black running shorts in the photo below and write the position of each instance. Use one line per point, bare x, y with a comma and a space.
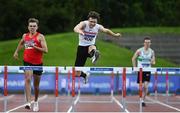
145, 77
82, 55
34, 71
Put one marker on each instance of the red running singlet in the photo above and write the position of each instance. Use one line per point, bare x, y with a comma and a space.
32, 55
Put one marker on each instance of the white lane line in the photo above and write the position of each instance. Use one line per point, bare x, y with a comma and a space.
7, 97
88, 101
177, 97
69, 110
120, 104
75, 102
161, 103
41, 98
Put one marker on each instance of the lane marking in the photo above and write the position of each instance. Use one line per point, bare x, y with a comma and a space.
120, 104
88, 101
41, 98
178, 97
161, 103
6, 97
75, 102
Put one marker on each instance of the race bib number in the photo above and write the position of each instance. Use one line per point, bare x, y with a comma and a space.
29, 44
146, 65
88, 38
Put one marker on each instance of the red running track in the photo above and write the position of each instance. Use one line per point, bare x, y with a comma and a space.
92, 103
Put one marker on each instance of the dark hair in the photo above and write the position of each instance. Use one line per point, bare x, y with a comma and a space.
147, 38
33, 20
94, 15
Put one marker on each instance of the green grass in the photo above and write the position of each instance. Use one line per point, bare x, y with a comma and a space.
62, 52
149, 30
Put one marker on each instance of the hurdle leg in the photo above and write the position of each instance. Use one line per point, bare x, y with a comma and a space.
56, 88
124, 103
124, 89
156, 95
73, 88
5, 88
112, 86
5, 104
167, 87
69, 82
140, 90
56, 104
140, 105
155, 87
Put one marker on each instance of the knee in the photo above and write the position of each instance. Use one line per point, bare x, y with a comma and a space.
28, 80
36, 87
146, 87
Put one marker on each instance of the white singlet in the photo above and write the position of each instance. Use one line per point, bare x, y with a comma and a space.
145, 57
90, 35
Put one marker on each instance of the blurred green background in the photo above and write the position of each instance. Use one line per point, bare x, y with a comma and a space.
134, 19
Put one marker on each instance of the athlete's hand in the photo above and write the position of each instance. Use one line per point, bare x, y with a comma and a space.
134, 70
81, 32
16, 56
117, 35
152, 62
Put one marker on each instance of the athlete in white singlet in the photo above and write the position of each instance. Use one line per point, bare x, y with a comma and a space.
145, 57
88, 31
90, 34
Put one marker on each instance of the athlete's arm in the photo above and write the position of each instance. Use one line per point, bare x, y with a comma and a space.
134, 59
19, 47
79, 28
109, 32
43, 47
153, 61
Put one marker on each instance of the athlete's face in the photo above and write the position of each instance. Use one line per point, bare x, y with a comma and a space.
147, 43
92, 22
32, 27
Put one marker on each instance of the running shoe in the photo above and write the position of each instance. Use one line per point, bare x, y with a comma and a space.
36, 106
28, 106
95, 57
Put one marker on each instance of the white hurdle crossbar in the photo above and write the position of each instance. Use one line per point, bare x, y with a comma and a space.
105, 70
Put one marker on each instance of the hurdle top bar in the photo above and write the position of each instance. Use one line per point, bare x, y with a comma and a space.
98, 69
1, 69
64, 69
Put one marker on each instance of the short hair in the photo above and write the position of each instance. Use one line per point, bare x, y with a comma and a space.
33, 20
94, 15
147, 38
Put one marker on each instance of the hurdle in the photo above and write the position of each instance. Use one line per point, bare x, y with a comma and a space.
93, 70
124, 101
107, 70
156, 71
169, 71
20, 69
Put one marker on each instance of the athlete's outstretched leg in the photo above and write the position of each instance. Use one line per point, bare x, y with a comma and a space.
81, 57
94, 53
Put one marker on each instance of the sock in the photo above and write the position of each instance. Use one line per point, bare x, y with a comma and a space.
92, 53
83, 75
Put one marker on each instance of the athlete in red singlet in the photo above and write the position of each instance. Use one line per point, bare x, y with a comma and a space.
32, 55
34, 45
